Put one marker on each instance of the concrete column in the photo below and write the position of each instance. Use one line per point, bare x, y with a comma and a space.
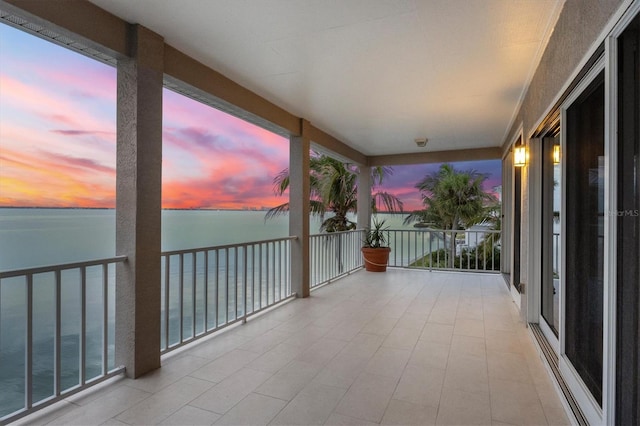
138, 202
299, 195
364, 197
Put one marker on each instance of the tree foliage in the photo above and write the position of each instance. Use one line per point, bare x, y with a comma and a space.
453, 199
334, 192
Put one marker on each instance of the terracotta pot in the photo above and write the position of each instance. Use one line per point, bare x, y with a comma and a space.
376, 259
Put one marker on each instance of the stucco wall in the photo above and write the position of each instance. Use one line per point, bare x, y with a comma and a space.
578, 26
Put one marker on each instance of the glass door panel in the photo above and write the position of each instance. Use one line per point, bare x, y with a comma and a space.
583, 298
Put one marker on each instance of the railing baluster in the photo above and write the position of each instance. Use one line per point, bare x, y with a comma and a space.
105, 317
226, 283
181, 296
167, 261
83, 324
217, 295
58, 335
205, 327
28, 362
193, 295
244, 280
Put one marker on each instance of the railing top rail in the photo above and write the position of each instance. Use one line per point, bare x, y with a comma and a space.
222, 247
324, 234
61, 267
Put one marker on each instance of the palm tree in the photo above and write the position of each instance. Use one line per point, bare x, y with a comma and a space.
334, 190
453, 200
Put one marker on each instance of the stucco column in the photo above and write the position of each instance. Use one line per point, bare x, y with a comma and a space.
299, 195
364, 197
138, 203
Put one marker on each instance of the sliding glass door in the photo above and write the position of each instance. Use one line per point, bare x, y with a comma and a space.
584, 180
551, 243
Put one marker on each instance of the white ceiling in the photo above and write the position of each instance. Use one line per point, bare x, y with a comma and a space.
374, 73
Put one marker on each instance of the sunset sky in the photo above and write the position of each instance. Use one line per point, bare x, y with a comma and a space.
58, 140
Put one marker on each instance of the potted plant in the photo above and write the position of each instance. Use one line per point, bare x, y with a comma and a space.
375, 251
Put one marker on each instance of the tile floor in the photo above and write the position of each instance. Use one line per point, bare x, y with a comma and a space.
403, 348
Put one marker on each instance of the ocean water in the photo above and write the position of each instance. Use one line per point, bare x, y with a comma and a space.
40, 237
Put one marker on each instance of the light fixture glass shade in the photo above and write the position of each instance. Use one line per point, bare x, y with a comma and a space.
520, 156
556, 154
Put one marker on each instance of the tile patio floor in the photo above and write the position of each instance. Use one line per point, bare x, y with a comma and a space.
405, 347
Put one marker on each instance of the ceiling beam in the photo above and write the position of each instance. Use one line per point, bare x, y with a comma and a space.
79, 20
187, 70
334, 145
493, 153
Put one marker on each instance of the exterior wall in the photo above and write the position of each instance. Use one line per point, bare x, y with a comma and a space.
578, 26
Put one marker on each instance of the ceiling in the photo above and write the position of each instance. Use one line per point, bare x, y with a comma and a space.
376, 74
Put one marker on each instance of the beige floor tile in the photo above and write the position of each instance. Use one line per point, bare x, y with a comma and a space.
437, 333
420, 385
265, 342
255, 327
467, 327
341, 420
312, 406
345, 330
466, 345
276, 358
380, 325
215, 346
503, 341
430, 354
322, 351
189, 415
162, 404
169, 373
253, 410
464, 408
508, 366
97, 391
516, 402
388, 362
306, 336
466, 373
342, 370
402, 338
443, 315
364, 344
48, 414
287, 382
556, 416
226, 365
368, 397
223, 396
108, 405
407, 413
412, 321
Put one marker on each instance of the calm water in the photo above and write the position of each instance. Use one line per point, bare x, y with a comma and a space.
38, 237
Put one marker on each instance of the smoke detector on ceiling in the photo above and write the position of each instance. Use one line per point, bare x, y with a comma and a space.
421, 142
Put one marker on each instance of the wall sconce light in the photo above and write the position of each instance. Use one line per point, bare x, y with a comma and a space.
520, 156
556, 154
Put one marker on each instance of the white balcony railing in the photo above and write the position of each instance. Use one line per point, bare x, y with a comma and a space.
207, 289
461, 250
62, 334
333, 255
58, 333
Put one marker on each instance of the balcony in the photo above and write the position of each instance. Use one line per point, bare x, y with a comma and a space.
404, 347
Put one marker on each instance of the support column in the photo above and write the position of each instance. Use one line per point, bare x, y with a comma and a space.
138, 202
364, 197
299, 195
